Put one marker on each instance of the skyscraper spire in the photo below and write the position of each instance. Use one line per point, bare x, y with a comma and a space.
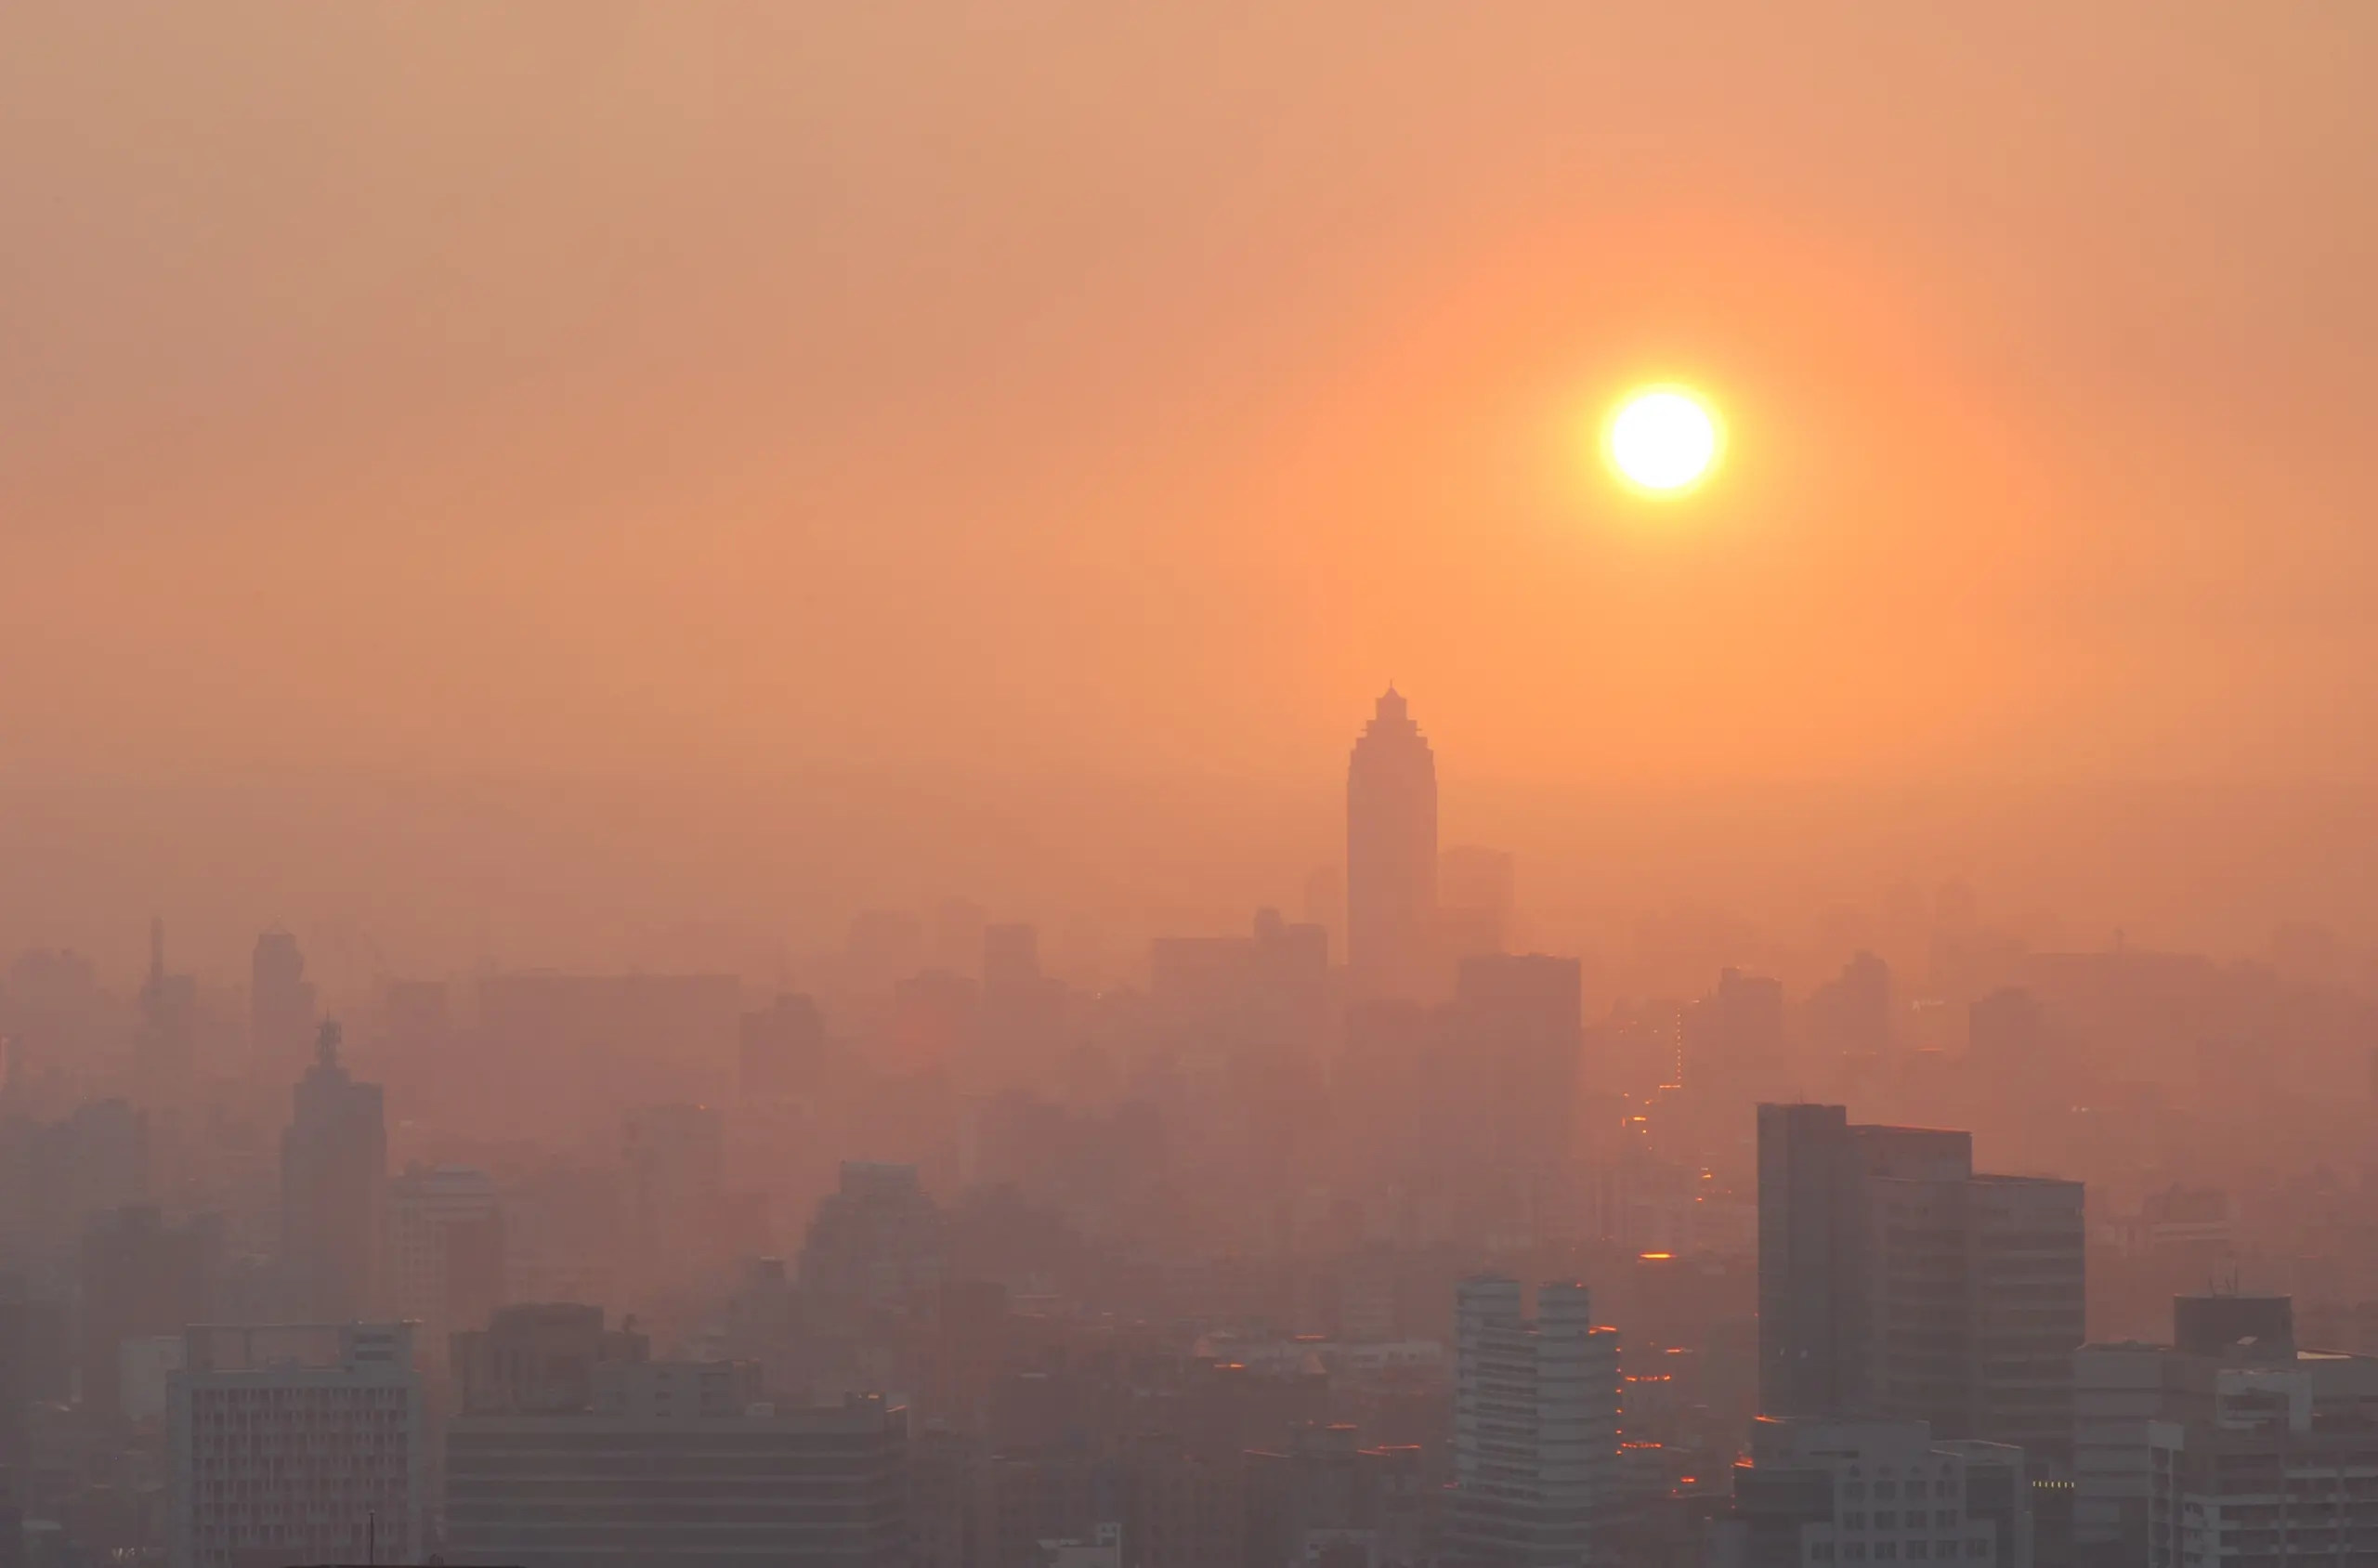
1391, 854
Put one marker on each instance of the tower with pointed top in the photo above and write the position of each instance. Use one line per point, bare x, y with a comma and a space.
334, 1174
1390, 855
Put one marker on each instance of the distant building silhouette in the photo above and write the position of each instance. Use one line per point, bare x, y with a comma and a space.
445, 1267
874, 1242
167, 1050
281, 1000
1391, 855
141, 1278
1520, 1019
334, 1174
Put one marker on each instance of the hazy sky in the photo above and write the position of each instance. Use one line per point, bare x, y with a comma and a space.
1001, 396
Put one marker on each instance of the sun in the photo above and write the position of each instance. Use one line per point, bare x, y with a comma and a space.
1662, 440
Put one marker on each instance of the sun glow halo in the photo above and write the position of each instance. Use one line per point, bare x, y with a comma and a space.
1662, 440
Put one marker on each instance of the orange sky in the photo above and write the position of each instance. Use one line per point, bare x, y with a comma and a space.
1004, 398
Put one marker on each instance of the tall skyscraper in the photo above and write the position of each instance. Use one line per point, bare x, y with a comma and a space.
280, 999
675, 1160
1390, 855
334, 1170
168, 1020
1894, 1281
1535, 1427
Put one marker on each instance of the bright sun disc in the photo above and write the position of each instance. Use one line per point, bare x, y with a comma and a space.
1662, 440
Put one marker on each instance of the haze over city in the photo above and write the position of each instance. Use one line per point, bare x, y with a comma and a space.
1091, 753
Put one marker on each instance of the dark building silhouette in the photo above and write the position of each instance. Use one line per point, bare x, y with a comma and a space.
1733, 1039
281, 1000
167, 1050
141, 1278
1522, 1018
1265, 994
1390, 855
333, 1173
1895, 1281
538, 1358
875, 1241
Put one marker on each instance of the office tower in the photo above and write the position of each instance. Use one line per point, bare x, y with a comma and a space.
783, 1050
2232, 1444
168, 1045
711, 1480
1390, 855
281, 1000
876, 1241
94, 1159
445, 1267
1535, 1427
1264, 996
1895, 1281
141, 1278
537, 1359
676, 1158
295, 1445
1734, 1040
1521, 1020
1474, 899
333, 1170
36, 1366
1833, 1491
1849, 1015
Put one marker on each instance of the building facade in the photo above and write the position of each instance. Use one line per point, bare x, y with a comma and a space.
1829, 1492
295, 1445
647, 1490
1535, 1427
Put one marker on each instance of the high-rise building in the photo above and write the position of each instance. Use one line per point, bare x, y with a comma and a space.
676, 1183
1535, 1427
1391, 855
445, 1267
141, 1278
167, 1050
1522, 1016
1734, 1040
281, 1000
708, 1484
295, 1445
2233, 1443
1265, 995
334, 1174
1840, 1491
876, 1241
1894, 1281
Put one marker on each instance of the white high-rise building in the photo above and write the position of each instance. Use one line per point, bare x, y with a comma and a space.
445, 1265
1535, 1427
295, 1445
